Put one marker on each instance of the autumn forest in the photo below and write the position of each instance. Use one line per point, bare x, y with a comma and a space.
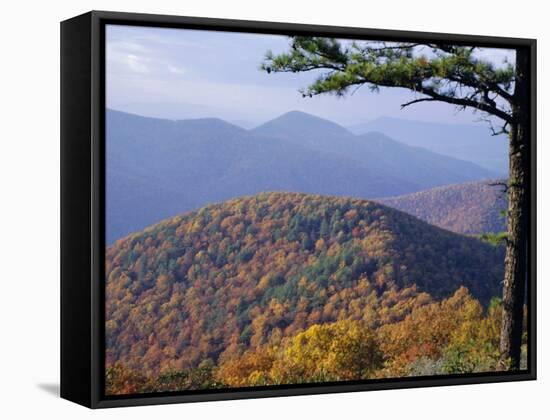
298, 250
291, 288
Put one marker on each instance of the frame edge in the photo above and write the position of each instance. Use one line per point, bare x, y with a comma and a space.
76, 264
88, 113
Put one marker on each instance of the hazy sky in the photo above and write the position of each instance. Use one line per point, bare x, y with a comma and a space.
180, 73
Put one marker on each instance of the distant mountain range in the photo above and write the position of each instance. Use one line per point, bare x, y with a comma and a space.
474, 143
467, 208
157, 168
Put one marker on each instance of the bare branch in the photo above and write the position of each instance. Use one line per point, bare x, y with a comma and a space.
415, 101
393, 47
467, 102
503, 193
502, 184
503, 129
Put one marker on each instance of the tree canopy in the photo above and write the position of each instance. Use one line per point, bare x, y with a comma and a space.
458, 75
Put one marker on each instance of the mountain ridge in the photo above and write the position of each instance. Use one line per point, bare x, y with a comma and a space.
157, 168
473, 142
209, 283
467, 208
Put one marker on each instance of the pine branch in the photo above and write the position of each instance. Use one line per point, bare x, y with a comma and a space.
396, 65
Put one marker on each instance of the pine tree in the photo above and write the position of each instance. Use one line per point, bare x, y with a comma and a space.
453, 74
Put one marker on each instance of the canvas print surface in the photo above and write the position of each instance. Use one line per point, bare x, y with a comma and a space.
293, 210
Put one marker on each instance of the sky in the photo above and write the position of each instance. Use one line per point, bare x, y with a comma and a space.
182, 73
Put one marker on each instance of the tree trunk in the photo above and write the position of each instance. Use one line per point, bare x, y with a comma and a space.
515, 263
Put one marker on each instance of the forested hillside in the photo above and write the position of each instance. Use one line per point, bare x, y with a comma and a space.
234, 287
468, 208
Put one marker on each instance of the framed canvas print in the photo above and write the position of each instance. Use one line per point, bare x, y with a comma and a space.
255, 209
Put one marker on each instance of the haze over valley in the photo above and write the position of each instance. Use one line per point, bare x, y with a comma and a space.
158, 168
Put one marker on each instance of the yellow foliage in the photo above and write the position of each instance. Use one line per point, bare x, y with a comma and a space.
264, 282
248, 370
344, 350
320, 244
427, 331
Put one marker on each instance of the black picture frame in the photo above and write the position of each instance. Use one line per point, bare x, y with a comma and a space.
83, 215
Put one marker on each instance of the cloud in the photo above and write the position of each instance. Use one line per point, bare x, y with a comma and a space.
176, 69
134, 56
218, 72
137, 63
